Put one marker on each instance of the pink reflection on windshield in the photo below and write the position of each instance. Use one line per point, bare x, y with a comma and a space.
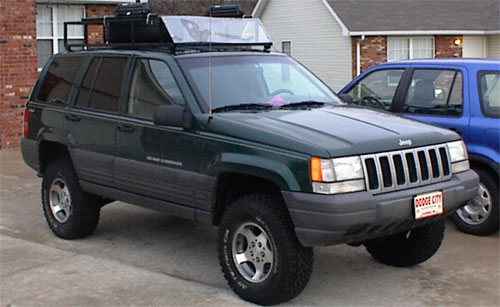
277, 101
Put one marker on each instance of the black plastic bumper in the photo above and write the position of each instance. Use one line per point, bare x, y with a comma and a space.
29, 150
354, 217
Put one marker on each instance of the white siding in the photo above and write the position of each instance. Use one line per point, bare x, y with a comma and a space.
474, 47
317, 40
493, 50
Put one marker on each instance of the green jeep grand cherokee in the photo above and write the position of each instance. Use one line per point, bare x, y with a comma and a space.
250, 141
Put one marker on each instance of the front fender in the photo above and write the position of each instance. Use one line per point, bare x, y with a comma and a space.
276, 171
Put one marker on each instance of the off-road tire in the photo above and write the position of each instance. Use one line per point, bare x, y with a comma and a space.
291, 264
84, 210
407, 248
489, 224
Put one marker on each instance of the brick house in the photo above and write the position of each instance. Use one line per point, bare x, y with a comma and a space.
32, 30
338, 39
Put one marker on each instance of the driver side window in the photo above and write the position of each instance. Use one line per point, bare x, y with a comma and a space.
152, 85
377, 89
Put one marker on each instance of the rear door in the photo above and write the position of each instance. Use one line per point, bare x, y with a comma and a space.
91, 124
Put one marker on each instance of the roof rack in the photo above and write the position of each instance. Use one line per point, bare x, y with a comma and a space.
141, 30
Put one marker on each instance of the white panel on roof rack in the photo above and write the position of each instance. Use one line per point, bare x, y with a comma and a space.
195, 29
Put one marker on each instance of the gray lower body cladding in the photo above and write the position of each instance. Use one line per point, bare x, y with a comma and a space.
333, 219
29, 150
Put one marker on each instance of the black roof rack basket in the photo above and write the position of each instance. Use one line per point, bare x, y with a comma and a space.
127, 32
134, 27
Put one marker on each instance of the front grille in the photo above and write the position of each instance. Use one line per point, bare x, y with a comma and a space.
404, 169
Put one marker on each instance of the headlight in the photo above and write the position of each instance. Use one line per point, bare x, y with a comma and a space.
458, 156
457, 150
340, 175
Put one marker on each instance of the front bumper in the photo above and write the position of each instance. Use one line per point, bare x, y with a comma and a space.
355, 217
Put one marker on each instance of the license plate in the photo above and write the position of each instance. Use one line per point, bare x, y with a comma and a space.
429, 204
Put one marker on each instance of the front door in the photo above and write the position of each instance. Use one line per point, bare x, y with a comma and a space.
158, 162
436, 96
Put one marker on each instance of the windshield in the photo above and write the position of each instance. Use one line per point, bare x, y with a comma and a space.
252, 79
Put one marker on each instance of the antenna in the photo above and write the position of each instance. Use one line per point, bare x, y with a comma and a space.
210, 66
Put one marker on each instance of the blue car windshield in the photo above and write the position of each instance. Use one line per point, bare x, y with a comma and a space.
254, 79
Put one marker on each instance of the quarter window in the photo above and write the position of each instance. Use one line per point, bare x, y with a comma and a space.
377, 89
435, 92
409, 48
152, 85
489, 93
59, 79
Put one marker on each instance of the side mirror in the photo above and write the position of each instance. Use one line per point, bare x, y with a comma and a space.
346, 98
173, 116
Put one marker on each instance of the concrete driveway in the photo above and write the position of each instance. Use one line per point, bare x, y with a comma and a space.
141, 257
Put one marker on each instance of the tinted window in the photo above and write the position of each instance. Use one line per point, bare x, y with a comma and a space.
377, 89
59, 78
84, 92
489, 93
106, 88
435, 92
152, 85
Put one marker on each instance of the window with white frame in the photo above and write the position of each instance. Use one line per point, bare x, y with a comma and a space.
286, 47
404, 48
50, 29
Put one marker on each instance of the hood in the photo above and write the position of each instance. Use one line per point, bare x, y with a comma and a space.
330, 131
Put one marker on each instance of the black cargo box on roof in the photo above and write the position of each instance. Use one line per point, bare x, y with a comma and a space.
233, 11
132, 9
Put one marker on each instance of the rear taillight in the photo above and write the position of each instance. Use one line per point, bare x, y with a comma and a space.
25, 123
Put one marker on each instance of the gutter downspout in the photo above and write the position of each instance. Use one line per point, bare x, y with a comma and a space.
358, 54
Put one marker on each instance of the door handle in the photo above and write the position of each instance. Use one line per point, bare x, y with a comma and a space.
459, 131
73, 118
126, 128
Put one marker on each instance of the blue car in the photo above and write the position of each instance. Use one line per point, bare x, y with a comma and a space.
459, 94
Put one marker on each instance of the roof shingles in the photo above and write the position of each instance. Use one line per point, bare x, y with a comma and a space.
418, 15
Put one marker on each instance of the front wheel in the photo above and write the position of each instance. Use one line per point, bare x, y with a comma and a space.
407, 248
480, 216
259, 254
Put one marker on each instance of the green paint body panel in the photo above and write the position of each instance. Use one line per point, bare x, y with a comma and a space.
181, 166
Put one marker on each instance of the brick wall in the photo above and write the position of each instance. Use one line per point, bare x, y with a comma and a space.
94, 31
373, 51
444, 47
18, 65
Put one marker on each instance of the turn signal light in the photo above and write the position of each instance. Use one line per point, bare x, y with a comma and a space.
316, 174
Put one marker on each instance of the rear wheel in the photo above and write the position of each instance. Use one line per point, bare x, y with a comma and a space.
259, 254
480, 216
407, 248
70, 212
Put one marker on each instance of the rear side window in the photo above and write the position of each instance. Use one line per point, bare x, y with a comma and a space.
102, 84
59, 79
435, 92
489, 92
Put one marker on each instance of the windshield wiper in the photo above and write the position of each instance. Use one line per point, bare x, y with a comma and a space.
243, 106
302, 104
